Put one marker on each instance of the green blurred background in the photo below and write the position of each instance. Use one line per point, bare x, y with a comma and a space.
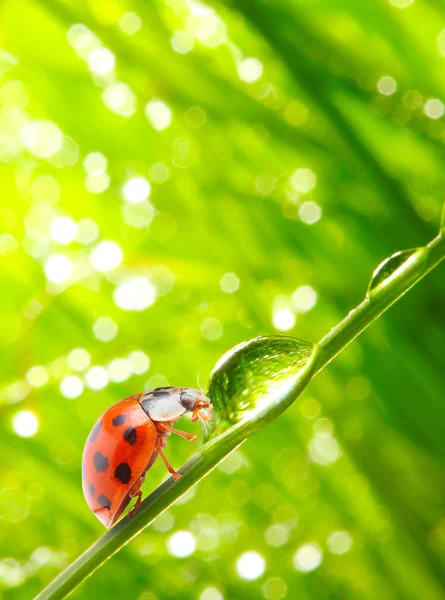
177, 177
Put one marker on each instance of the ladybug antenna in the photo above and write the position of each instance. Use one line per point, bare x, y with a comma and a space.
199, 384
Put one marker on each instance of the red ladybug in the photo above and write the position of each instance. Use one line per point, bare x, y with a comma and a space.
126, 441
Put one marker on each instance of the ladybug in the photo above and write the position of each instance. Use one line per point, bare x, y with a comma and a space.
125, 442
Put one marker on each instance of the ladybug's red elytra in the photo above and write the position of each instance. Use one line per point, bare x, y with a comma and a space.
125, 442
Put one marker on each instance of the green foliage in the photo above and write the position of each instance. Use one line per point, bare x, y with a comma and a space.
250, 386
310, 175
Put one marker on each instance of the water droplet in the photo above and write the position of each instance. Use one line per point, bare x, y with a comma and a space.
389, 266
255, 378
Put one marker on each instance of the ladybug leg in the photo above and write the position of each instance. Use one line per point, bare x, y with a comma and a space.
171, 470
188, 436
168, 429
205, 414
134, 509
136, 492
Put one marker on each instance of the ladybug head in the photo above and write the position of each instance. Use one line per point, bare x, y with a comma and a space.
195, 402
170, 403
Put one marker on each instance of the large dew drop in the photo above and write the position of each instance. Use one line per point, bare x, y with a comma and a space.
389, 266
258, 377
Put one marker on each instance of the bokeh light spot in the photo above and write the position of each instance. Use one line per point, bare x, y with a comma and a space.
277, 535
96, 378
265, 184
136, 189
120, 98
139, 361
42, 138
58, 268
303, 181
87, 231
250, 565
309, 212
211, 31
339, 542
283, 319
101, 61
310, 408
250, 70
274, 589
95, 163
158, 173
308, 558
119, 370
139, 215
16, 392
97, 183
232, 463
71, 386
323, 448
304, 298
106, 256
181, 544
386, 85
12, 573
105, 329
79, 359
158, 114
25, 423
136, 294
63, 230
211, 329
130, 23
434, 108
229, 283
211, 593
164, 522
37, 376
182, 42
82, 40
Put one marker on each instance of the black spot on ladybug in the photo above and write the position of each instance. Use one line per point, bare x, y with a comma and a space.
95, 431
100, 462
123, 472
104, 502
119, 420
130, 435
91, 489
159, 394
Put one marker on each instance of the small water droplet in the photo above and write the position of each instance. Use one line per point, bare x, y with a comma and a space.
387, 267
254, 378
